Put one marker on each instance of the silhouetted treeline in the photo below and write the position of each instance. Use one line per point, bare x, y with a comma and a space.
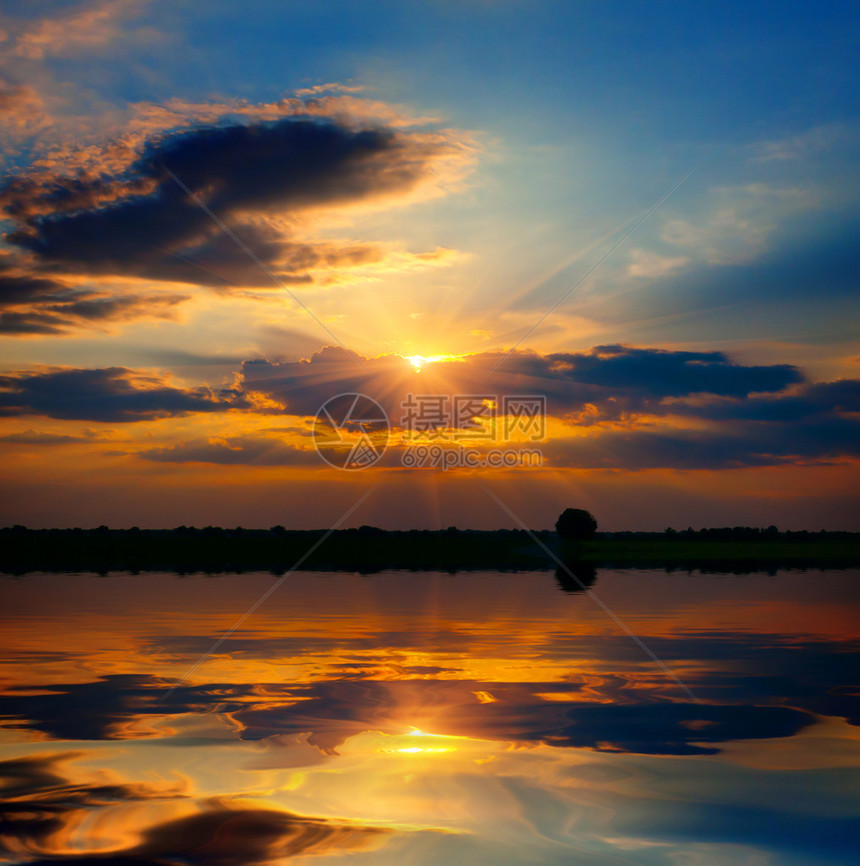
212, 548
368, 549
735, 533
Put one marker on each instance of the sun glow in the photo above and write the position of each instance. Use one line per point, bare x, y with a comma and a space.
426, 743
419, 361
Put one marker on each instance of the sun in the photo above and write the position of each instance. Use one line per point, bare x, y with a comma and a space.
419, 361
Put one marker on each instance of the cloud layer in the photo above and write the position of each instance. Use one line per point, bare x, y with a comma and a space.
265, 181
36, 304
113, 394
611, 380
614, 406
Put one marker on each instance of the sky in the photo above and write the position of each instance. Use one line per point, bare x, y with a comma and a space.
217, 217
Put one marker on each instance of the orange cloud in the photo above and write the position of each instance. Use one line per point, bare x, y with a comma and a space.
22, 107
88, 28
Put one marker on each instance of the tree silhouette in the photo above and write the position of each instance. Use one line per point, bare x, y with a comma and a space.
573, 576
575, 524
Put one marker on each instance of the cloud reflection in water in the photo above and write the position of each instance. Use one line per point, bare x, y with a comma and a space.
507, 732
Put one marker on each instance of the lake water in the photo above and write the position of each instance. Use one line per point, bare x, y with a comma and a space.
402, 718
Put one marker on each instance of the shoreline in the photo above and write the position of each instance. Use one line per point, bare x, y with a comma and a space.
24, 551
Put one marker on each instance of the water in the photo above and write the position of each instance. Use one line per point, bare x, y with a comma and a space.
479, 718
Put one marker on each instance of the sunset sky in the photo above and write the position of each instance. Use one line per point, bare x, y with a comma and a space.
216, 216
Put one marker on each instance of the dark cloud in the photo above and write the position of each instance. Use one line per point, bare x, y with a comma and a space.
660, 373
144, 223
611, 379
110, 394
23, 288
303, 386
27, 197
812, 423
236, 450
85, 306
822, 399
31, 303
20, 324
747, 444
